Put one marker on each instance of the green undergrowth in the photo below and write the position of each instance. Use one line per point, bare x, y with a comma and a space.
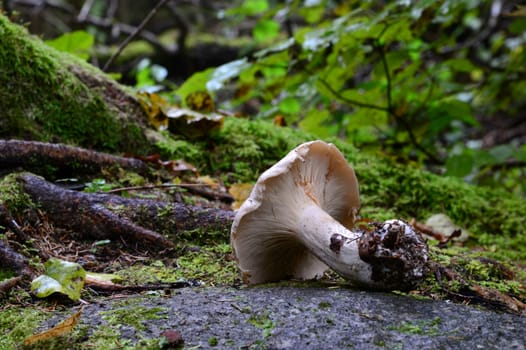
47, 97
243, 149
18, 323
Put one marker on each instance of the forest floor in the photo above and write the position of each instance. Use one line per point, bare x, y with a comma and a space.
190, 295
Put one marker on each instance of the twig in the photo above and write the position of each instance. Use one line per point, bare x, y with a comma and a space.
400, 119
349, 100
199, 189
85, 10
149, 187
10, 283
134, 34
380, 49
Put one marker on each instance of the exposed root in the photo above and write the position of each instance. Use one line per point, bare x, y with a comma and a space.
103, 216
32, 154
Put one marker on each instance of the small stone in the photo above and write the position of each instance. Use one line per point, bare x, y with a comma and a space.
172, 338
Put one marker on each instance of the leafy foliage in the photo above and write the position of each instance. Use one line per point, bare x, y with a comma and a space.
78, 43
416, 80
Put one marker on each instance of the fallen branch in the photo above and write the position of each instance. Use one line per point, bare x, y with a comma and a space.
104, 216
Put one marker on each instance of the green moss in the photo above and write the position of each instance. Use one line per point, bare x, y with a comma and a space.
18, 323
45, 98
422, 327
132, 315
209, 264
477, 267
262, 321
213, 341
11, 194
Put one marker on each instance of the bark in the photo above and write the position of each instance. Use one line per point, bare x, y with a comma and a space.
13, 260
104, 216
33, 154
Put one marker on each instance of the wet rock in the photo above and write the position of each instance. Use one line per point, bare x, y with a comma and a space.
321, 318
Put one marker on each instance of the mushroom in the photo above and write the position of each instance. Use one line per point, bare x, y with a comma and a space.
299, 220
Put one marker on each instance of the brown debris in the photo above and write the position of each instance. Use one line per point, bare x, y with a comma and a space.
439, 236
398, 254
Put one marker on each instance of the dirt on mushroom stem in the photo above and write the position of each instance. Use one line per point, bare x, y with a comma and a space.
397, 252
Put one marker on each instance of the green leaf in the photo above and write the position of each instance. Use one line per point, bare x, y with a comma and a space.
265, 30
459, 165
250, 8
197, 82
60, 277
289, 105
460, 65
312, 13
502, 152
78, 43
224, 73
313, 123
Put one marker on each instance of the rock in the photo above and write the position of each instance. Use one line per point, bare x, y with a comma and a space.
319, 318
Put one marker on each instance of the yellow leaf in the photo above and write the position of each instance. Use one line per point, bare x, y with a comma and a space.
200, 101
154, 106
519, 12
209, 181
62, 328
240, 192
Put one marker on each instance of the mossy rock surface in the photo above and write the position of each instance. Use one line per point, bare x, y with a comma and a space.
52, 96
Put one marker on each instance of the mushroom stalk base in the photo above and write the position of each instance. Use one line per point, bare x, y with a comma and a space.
390, 256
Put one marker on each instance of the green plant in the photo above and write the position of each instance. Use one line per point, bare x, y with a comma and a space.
409, 79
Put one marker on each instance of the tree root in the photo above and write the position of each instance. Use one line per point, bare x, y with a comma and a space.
104, 216
16, 261
33, 154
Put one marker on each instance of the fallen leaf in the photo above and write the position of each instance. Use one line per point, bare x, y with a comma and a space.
93, 278
60, 277
200, 101
494, 296
61, 329
240, 192
197, 120
154, 106
192, 124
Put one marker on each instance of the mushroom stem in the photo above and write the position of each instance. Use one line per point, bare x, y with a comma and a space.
334, 244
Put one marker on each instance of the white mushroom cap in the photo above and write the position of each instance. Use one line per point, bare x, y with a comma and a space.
264, 235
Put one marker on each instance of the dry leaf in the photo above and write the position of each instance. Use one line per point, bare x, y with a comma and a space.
240, 192
200, 101
154, 105
494, 296
61, 329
